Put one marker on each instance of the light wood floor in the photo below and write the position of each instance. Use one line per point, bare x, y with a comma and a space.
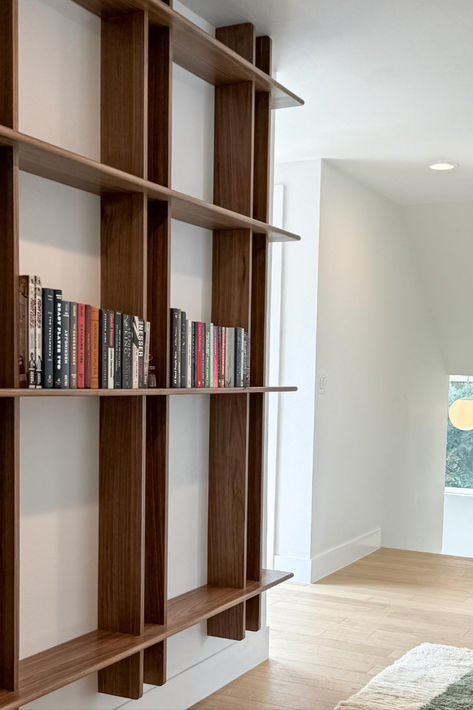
328, 639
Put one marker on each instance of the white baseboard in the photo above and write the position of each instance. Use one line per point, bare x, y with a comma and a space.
195, 683
312, 569
345, 554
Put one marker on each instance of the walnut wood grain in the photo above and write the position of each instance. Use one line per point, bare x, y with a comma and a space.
156, 530
157, 392
63, 664
228, 452
197, 51
9, 535
263, 54
233, 150
121, 534
9, 375
159, 105
255, 506
231, 277
124, 92
159, 284
9, 63
54, 163
239, 38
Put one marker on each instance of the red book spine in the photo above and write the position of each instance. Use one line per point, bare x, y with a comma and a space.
200, 334
222, 359
215, 356
80, 346
88, 348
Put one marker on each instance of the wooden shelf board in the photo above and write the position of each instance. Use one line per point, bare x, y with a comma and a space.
63, 664
197, 51
157, 391
54, 163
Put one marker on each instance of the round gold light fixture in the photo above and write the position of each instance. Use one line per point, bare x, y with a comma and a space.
461, 414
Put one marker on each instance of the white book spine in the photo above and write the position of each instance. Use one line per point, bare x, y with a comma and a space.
146, 354
229, 357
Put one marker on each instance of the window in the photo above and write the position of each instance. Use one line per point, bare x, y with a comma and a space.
459, 463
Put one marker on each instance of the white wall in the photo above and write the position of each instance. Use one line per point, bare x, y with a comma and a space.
458, 523
60, 44
378, 429
442, 239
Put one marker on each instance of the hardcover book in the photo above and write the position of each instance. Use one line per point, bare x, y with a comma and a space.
146, 356
65, 335
215, 356
111, 349
229, 357
141, 353
127, 341
94, 374
174, 346
194, 355
189, 354
48, 338
73, 345
80, 346
88, 347
199, 357
38, 333
207, 355
23, 330
57, 336
183, 349
118, 350
223, 335
248, 359
103, 348
238, 356
134, 353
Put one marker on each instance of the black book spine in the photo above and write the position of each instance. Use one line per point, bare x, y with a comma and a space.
57, 337
127, 339
103, 348
183, 349
193, 353
174, 346
48, 337
118, 351
237, 359
65, 334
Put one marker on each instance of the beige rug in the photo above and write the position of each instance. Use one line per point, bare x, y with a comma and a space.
430, 677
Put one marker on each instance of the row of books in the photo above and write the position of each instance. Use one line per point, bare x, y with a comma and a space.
68, 345
208, 355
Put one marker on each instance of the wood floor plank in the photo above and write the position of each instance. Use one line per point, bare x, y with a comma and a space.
328, 639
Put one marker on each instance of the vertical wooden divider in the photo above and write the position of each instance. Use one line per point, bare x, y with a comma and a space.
258, 333
231, 295
121, 604
9, 408
158, 300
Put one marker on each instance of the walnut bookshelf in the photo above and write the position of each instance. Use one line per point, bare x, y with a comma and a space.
140, 40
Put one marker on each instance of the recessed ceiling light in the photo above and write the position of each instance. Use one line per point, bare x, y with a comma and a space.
443, 165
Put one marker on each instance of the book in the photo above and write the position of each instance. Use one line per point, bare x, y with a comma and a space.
174, 346
80, 346
23, 361
189, 354
134, 353
111, 350
88, 346
65, 335
238, 356
245, 351
95, 332
229, 357
103, 348
141, 352
38, 333
248, 359
146, 356
118, 351
48, 338
57, 336
127, 340
194, 355
203, 354
223, 333
207, 355
198, 355
73, 345
215, 356
183, 349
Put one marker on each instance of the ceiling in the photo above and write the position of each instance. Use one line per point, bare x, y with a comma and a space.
388, 86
